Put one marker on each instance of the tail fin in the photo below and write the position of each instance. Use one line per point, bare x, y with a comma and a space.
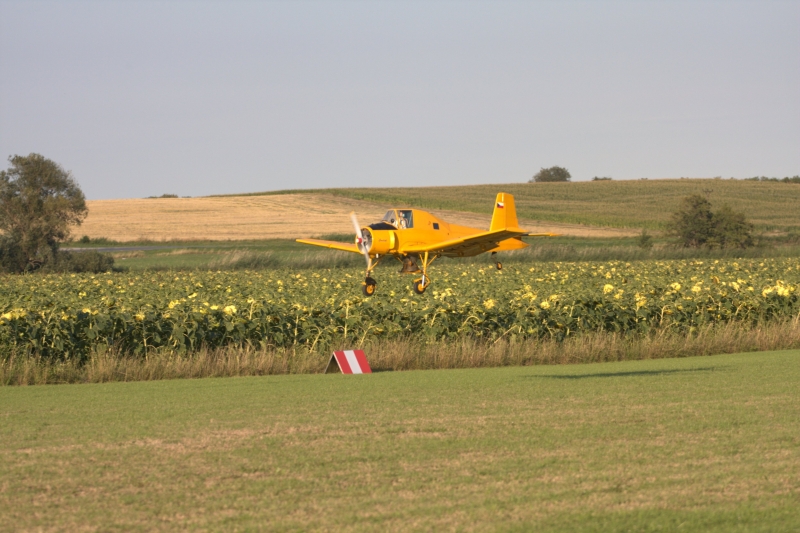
505, 213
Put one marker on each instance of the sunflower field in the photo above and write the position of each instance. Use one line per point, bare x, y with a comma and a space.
69, 315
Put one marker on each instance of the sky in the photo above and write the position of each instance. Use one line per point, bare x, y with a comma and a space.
193, 98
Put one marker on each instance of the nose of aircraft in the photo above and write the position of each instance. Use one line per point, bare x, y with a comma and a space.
364, 240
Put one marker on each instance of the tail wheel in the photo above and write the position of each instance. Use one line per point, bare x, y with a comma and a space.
369, 286
499, 265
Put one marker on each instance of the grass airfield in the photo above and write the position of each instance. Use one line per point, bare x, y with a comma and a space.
694, 444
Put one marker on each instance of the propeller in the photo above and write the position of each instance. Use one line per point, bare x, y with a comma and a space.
360, 241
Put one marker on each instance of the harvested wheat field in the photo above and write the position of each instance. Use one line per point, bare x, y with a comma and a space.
285, 216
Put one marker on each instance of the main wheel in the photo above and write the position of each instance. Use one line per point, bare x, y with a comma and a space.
369, 286
499, 265
421, 284
419, 287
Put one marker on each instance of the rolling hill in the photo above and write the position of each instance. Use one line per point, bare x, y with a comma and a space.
584, 209
618, 204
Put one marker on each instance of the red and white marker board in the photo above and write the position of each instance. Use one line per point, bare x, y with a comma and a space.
349, 362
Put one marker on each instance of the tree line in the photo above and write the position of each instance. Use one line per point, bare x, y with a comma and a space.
40, 202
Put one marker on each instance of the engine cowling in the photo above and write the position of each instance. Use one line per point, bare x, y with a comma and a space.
377, 242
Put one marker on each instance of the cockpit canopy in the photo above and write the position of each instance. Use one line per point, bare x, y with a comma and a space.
396, 219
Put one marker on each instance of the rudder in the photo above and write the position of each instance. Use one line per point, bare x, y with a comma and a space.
505, 213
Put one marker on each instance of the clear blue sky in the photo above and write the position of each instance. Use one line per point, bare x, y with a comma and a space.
143, 98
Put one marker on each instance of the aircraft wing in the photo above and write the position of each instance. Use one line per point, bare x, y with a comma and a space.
486, 239
346, 247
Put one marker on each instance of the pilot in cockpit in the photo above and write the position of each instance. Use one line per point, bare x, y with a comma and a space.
406, 220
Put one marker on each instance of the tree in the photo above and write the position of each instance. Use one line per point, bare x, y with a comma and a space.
551, 174
39, 201
693, 223
696, 225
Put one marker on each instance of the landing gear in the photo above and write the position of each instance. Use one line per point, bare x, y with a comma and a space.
419, 285
369, 286
497, 263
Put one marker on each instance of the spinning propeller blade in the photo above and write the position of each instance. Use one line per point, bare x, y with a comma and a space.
359, 237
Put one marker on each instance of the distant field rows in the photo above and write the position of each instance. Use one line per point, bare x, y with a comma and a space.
583, 209
286, 216
619, 204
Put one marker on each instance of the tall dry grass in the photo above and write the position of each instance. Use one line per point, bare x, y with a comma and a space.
406, 354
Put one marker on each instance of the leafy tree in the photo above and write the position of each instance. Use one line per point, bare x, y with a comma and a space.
693, 223
696, 225
551, 174
39, 201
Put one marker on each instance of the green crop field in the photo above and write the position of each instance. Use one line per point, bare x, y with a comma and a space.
70, 315
628, 204
695, 444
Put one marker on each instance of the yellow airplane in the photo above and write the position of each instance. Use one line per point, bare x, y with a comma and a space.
411, 235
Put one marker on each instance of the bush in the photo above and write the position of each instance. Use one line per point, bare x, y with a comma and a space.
551, 174
731, 229
12, 257
13, 260
77, 262
97, 240
645, 240
696, 225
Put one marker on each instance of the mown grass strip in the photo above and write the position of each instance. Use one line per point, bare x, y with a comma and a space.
696, 444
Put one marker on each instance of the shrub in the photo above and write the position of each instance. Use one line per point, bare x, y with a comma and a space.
83, 261
551, 174
97, 240
645, 240
696, 225
731, 229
